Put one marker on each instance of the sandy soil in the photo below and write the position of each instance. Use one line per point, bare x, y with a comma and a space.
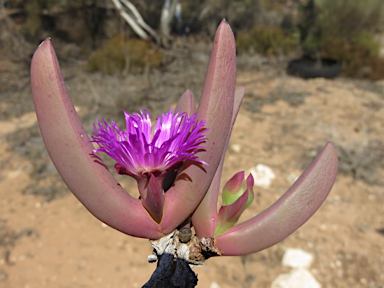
48, 239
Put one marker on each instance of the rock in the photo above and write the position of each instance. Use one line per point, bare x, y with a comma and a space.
297, 258
263, 175
297, 278
236, 148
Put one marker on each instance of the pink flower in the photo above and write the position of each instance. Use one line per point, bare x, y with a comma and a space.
147, 156
176, 138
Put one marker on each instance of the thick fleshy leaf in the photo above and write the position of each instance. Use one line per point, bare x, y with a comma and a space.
288, 213
250, 183
70, 150
216, 108
186, 103
204, 218
154, 200
230, 214
234, 188
231, 211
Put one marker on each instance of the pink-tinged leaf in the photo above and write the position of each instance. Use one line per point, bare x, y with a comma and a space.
230, 214
216, 108
154, 200
186, 103
288, 213
250, 184
234, 183
231, 190
204, 218
70, 150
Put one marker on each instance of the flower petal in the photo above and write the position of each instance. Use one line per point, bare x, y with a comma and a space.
176, 138
155, 199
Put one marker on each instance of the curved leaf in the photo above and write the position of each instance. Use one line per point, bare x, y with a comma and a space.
216, 108
288, 213
204, 218
70, 150
186, 103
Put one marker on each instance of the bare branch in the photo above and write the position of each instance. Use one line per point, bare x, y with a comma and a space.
131, 22
139, 18
166, 19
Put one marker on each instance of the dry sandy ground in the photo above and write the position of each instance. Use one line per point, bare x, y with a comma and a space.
283, 123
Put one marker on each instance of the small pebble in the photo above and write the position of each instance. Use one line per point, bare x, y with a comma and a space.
297, 258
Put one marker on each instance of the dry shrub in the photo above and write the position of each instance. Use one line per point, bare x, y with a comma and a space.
266, 40
272, 5
119, 55
34, 9
13, 46
359, 60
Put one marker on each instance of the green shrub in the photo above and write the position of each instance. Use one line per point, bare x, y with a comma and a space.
119, 54
346, 18
366, 39
343, 30
266, 40
354, 20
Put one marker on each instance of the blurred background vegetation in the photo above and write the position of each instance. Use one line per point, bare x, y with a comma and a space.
350, 31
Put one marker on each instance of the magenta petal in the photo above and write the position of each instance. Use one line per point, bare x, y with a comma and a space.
176, 138
154, 201
204, 218
186, 103
288, 213
70, 150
